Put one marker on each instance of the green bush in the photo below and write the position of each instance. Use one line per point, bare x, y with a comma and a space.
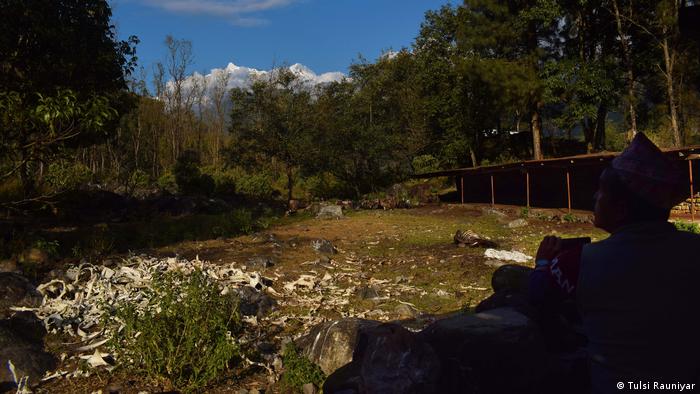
225, 184
167, 182
189, 177
326, 186
257, 186
64, 175
187, 334
687, 226
238, 221
139, 179
425, 163
298, 370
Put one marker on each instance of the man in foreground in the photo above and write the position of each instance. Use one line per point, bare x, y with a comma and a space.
639, 289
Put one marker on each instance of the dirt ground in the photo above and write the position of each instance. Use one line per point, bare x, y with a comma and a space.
384, 259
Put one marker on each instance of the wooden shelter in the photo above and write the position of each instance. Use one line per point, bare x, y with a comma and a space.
565, 182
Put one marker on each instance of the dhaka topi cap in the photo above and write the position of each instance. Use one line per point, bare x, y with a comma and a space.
650, 174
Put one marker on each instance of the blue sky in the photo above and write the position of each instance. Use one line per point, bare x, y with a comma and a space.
325, 35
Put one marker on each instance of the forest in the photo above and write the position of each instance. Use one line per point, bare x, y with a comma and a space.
486, 82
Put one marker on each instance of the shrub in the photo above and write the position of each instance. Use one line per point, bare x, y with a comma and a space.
225, 184
167, 182
257, 186
64, 175
189, 177
525, 212
139, 179
425, 163
687, 226
238, 221
298, 370
186, 333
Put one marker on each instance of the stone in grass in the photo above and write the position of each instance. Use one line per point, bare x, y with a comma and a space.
330, 212
517, 223
260, 262
309, 388
406, 311
323, 246
367, 292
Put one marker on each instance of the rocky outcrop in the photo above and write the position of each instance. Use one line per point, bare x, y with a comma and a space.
330, 345
388, 359
21, 334
496, 351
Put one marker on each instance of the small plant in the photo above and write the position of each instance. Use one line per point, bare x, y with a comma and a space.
688, 226
569, 218
298, 370
185, 334
525, 212
49, 247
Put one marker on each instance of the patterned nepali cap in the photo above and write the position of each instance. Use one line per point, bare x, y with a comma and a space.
650, 174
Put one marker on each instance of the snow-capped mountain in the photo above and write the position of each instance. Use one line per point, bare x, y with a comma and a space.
233, 76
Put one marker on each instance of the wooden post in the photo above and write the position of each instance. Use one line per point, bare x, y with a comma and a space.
461, 183
568, 190
692, 193
527, 187
493, 199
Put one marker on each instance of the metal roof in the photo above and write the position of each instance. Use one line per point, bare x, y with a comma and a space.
691, 152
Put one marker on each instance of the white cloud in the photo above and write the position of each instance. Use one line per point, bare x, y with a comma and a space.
235, 11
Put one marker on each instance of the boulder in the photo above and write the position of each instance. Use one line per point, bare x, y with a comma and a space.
16, 290
498, 351
254, 302
405, 311
330, 212
8, 265
330, 345
511, 278
388, 359
27, 356
34, 257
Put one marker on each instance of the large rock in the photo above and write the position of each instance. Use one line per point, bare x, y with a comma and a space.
388, 359
498, 351
512, 277
27, 356
254, 302
16, 290
330, 212
331, 344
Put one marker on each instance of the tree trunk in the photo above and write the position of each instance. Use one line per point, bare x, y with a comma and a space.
669, 62
536, 126
629, 73
290, 184
475, 163
599, 139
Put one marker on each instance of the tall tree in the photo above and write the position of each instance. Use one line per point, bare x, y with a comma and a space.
57, 96
272, 121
